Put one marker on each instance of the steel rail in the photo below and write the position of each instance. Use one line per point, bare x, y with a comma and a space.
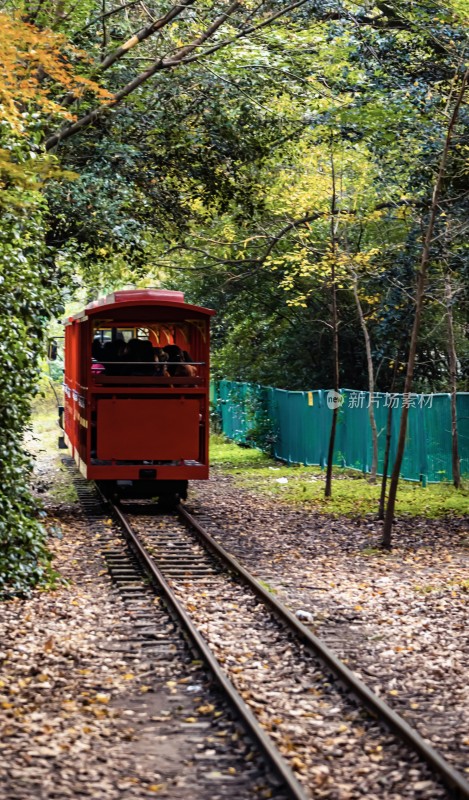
451, 778
266, 745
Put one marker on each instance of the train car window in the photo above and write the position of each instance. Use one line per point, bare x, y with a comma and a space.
158, 349
55, 357
52, 350
110, 334
102, 336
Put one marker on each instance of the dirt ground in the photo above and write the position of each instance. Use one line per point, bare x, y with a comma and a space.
73, 715
399, 620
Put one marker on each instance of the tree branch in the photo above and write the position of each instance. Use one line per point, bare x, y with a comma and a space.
110, 13
142, 34
246, 32
163, 63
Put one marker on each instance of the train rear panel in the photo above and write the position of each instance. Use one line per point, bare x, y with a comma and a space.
140, 427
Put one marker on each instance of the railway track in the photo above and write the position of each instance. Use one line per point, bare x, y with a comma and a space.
192, 736
417, 661
318, 730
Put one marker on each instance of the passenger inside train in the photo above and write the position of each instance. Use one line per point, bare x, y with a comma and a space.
115, 353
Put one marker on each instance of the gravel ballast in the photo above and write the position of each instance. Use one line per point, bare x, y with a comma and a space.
399, 620
81, 717
85, 711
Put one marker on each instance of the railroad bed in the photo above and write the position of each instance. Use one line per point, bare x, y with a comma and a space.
203, 731
333, 745
400, 620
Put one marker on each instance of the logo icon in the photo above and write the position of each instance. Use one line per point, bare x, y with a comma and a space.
334, 399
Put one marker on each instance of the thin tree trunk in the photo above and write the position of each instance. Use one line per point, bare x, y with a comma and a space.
453, 383
387, 449
335, 338
103, 23
371, 382
335, 410
420, 292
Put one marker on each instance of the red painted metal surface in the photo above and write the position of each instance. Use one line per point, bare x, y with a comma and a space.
114, 423
137, 298
145, 429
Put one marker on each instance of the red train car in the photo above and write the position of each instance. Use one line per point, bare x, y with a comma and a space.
135, 423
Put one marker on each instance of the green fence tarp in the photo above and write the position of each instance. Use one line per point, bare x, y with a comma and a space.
295, 427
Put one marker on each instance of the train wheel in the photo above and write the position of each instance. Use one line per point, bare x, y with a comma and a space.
170, 495
109, 490
168, 502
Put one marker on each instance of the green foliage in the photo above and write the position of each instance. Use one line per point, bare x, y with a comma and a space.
218, 178
39, 67
29, 295
192, 184
370, 99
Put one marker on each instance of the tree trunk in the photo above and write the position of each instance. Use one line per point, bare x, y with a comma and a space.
105, 37
371, 383
420, 292
453, 383
387, 449
335, 410
335, 337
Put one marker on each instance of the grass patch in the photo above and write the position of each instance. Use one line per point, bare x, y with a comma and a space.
267, 587
235, 457
461, 584
43, 442
352, 494
427, 588
62, 490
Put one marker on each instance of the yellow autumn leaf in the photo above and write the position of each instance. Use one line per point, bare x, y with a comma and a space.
206, 709
69, 705
99, 712
297, 763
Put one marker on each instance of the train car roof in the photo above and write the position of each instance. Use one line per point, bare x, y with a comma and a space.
127, 298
